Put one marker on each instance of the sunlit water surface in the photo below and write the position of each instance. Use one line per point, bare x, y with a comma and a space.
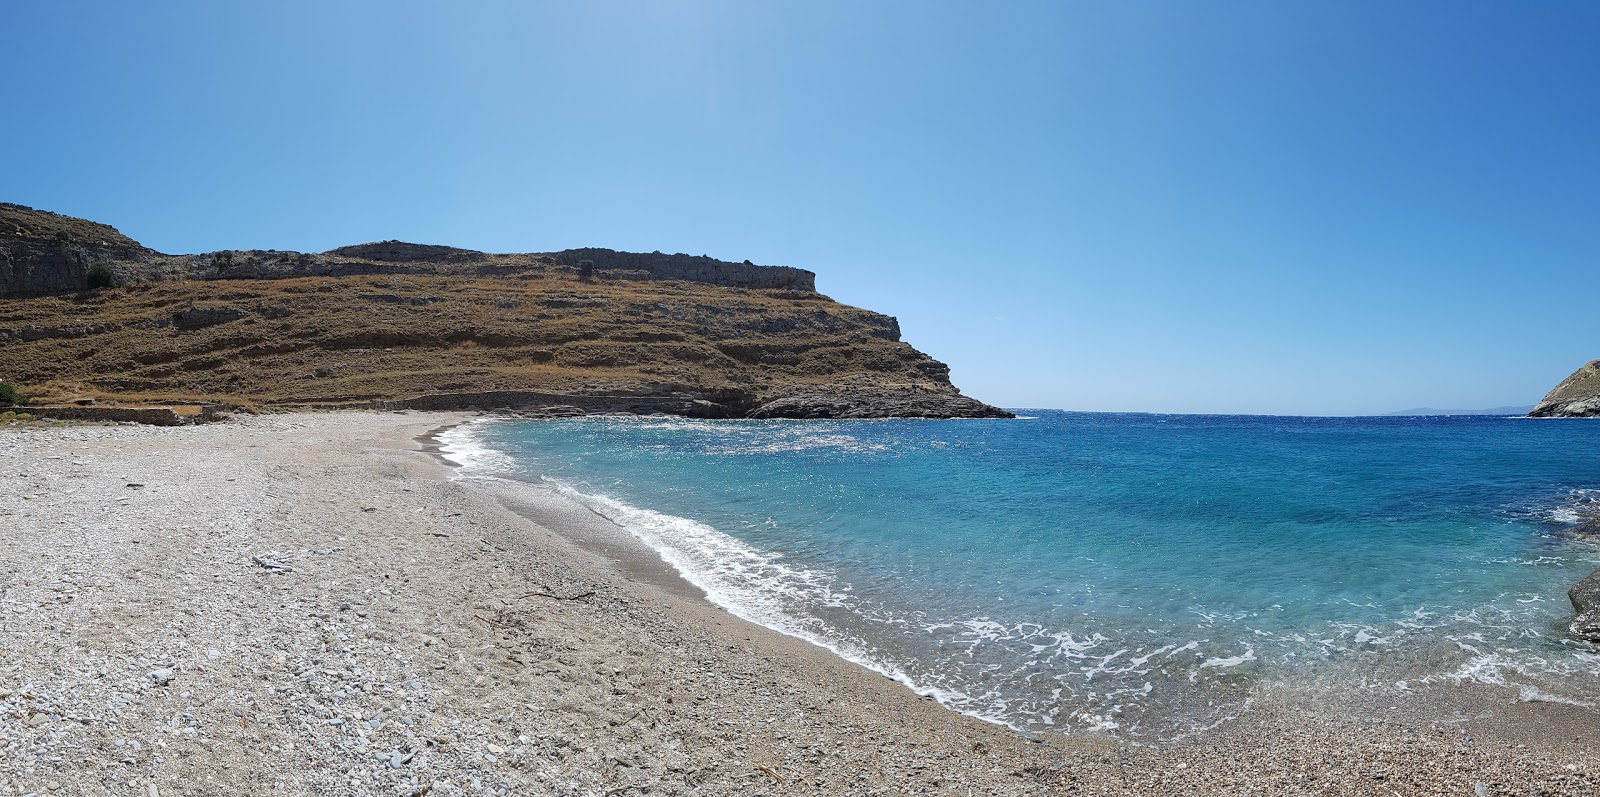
1076, 571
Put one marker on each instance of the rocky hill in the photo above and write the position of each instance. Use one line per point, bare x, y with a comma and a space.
87, 313
1578, 396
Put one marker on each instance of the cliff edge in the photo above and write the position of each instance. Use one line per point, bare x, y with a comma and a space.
90, 315
1578, 396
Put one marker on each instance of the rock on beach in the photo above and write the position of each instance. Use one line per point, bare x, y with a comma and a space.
1585, 597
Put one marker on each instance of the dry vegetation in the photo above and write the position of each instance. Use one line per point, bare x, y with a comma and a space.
338, 339
86, 313
17, 221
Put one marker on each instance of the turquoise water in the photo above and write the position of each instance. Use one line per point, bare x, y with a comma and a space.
1077, 571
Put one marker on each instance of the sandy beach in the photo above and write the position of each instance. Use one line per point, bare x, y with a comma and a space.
308, 604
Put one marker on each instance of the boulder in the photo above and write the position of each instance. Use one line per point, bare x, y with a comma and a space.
1586, 608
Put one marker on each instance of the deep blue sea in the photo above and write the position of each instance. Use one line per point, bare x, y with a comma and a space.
1077, 571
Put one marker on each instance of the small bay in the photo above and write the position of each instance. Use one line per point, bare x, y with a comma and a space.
1080, 571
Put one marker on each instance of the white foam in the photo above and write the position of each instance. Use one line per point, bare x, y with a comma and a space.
1196, 730
795, 440
1009, 673
463, 445
1142, 660
1497, 668
757, 586
1363, 637
1580, 506
1249, 654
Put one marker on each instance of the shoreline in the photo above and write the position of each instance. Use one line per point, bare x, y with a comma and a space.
574, 518
595, 534
456, 627
1485, 706
1537, 720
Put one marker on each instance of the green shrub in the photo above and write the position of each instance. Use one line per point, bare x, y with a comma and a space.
10, 396
101, 276
63, 236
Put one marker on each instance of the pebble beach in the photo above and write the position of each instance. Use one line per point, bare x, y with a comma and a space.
309, 605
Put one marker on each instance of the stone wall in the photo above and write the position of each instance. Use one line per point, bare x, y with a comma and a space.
691, 268
155, 416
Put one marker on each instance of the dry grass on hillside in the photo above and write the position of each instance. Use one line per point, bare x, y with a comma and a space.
327, 339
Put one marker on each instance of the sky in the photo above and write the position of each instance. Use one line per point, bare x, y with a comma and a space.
1240, 207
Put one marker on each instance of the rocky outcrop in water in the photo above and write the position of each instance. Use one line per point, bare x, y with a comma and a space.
1578, 396
1586, 608
907, 403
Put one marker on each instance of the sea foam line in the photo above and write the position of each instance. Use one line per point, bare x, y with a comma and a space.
750, 584
763, 588
758, 587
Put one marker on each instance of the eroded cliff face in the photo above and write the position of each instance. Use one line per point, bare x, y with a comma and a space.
43, 253
393, 321
1578, 396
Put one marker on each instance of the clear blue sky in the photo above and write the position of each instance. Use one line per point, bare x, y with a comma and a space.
1321, 208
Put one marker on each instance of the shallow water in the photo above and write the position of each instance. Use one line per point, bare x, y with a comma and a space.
1075, 571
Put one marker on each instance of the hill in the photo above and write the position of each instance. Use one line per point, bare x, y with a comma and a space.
1428, 411
1577, 396
400, 324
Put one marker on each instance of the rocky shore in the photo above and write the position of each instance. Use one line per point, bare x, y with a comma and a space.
1577, 396
308, 605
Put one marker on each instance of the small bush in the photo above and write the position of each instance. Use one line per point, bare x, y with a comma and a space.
101, 276
585, 270
63, 236
9, 395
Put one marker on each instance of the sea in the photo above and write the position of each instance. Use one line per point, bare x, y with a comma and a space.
1076, 572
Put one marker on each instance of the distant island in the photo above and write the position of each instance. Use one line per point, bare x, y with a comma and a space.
89, 316
1521, 409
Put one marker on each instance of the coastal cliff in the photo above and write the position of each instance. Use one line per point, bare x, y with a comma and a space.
1578, 396
43, 253
88, 314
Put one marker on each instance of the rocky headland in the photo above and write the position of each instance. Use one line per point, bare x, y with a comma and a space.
90, 316
1578, 396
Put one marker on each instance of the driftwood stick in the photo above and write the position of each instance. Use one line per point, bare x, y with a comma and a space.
548, 594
